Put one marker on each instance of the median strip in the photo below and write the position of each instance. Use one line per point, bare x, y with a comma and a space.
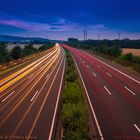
74, 111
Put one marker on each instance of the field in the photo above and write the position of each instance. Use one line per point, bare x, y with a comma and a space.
135, 52
12, 45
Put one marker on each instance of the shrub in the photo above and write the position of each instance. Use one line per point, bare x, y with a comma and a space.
75, 116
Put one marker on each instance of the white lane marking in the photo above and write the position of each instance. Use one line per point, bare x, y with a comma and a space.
87, 66
117, 70
57, 102
109, 74
1, 84
93, 112
8, 96
62, 133
33, 96
42, 105
107, 90
98, 66
137, 128
47, 76
94, 74
129, 90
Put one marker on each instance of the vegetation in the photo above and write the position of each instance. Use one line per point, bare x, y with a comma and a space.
112, 49
89, 44
130, 60
75, 116
4, 55
17, 52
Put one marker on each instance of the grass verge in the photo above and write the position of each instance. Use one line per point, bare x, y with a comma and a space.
74, 110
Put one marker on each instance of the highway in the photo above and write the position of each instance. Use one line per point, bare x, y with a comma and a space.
29, 98
113, 95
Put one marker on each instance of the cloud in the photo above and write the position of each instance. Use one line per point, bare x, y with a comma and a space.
60, 21
60, 25
16, 23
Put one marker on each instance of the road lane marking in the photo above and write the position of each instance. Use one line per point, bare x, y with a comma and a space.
93, 112
107, 90
137, 128
8, 96
16, 74
34, 96
129, 90
21, 76
42, 105
109, 74
87, 66
116, 70
98, 66
19, 101
47, 76
94, 74
62, 133
35, 75
26, 113
57, 102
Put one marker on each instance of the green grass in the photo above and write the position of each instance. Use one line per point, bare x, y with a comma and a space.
74, 110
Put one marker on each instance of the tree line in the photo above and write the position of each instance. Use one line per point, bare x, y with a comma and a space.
17, 52
124, 43
112, 49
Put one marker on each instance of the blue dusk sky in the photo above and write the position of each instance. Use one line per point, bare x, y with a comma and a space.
61, 19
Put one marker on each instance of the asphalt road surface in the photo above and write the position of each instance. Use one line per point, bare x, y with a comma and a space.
29, 98
113, 95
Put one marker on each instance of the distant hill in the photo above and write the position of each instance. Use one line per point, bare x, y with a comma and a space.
6, 38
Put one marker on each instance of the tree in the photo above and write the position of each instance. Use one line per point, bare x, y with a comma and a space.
3, 49
29, 49
73, 40
42, 48
129, 57
4, 54
115, 51
16, 52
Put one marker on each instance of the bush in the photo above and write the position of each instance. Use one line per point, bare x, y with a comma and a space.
137, 67
72, 93
29, 49
16, 52
71, 76
126, 57
74, 111
75, 120
130, 60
